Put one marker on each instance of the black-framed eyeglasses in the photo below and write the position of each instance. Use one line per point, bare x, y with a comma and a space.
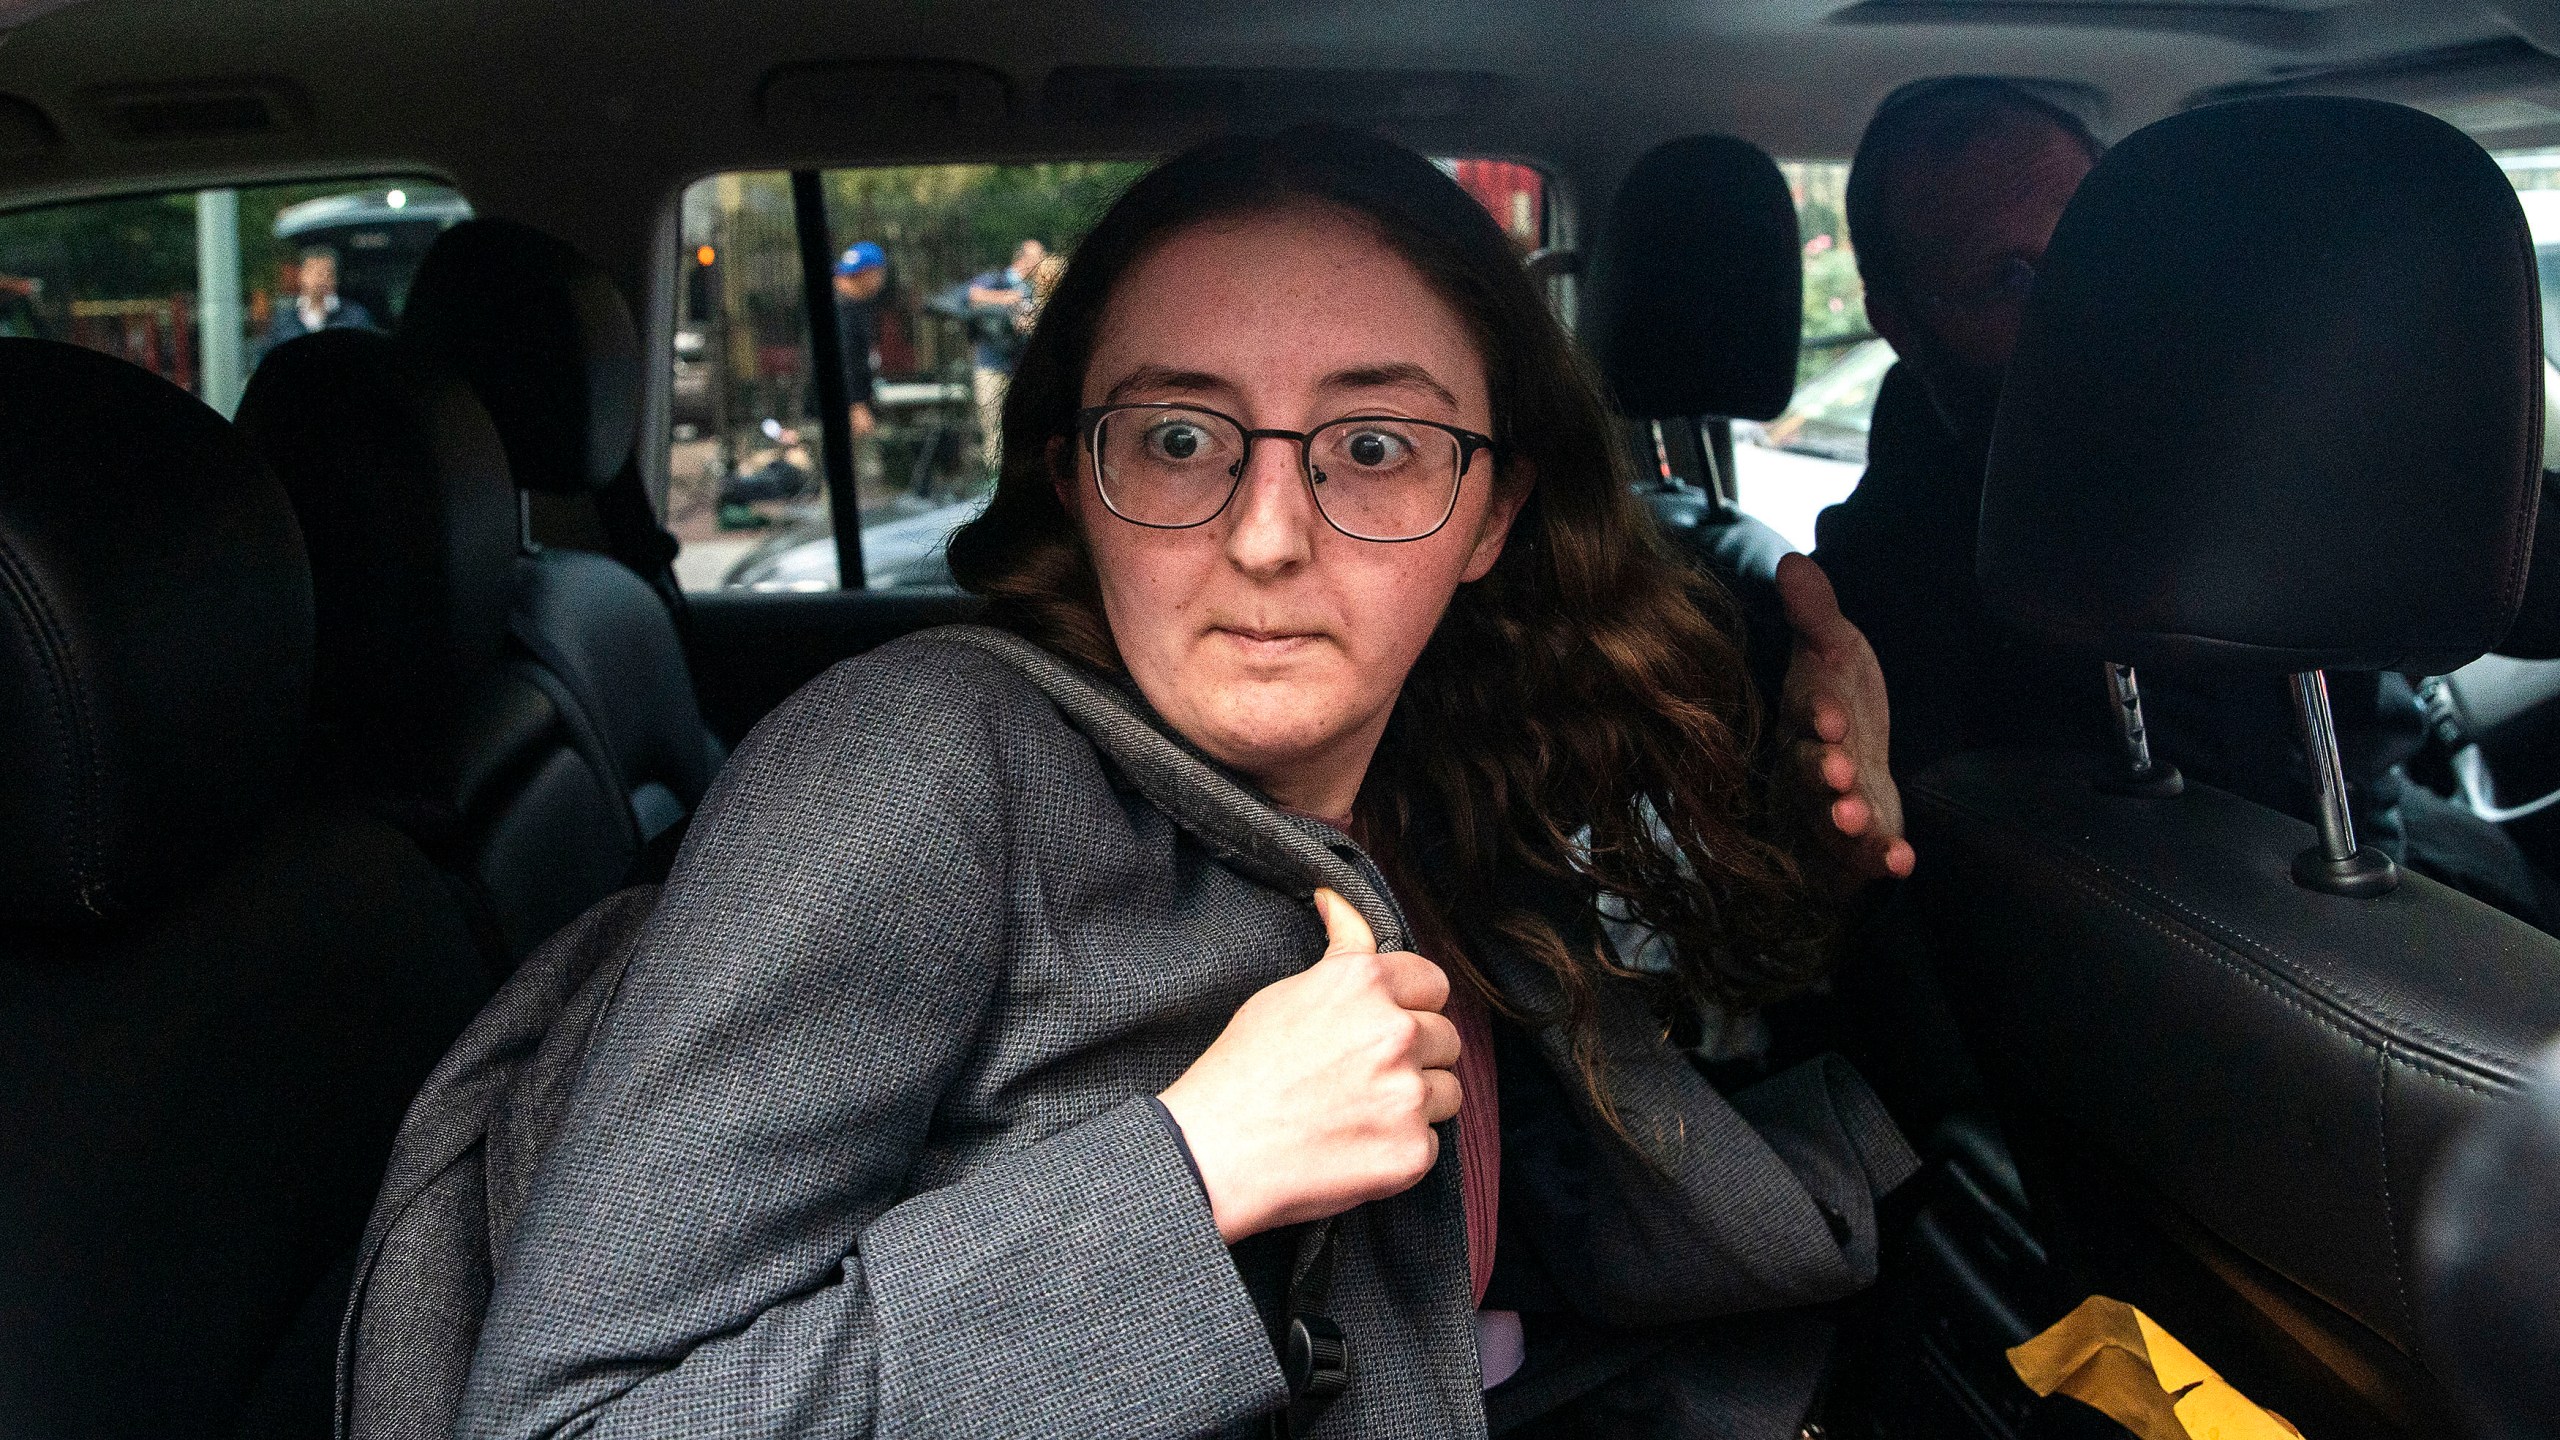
1387, 478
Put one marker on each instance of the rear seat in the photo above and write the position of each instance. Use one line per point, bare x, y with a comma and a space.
546, 341
401, 486
218, 988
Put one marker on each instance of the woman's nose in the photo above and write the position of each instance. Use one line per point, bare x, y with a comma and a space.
1275, 518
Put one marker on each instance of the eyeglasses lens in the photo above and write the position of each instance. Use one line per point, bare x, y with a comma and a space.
1384, 479
1167, 467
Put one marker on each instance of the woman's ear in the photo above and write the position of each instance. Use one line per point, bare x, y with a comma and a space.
1061, 480
1510, 492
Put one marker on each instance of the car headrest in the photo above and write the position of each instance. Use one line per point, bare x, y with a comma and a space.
155, 638
2277, 399
1696, 295
400, 484
544, 338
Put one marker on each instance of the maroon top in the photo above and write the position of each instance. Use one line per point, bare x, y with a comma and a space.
1479, 1102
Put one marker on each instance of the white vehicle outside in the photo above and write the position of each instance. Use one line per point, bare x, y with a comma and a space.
1788, 471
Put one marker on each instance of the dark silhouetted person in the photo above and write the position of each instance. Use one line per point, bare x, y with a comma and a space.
316, 304
1955, 190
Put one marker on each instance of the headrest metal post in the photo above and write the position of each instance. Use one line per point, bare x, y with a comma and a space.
2337, 865
1719, 487
2141, 774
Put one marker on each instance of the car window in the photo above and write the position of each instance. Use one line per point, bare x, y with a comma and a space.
748, 497
196, 286
933, 292
1810, 457
1513, 193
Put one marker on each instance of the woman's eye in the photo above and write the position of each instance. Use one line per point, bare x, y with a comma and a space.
1177, 440
1375, 449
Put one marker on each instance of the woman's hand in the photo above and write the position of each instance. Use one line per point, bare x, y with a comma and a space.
1834, 707
1321, 1093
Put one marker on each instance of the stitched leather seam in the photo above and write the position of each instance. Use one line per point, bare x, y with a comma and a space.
2520, 541
2292, 972
2295, 973
2340, 1028
2346, 1028
84, 844
2390, 1213
2382, 1056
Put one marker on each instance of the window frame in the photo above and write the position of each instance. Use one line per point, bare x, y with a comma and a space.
826, 362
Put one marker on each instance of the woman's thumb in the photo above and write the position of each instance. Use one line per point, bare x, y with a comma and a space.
1812, 607
1345, 933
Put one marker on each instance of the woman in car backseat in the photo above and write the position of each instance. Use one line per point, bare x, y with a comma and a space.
985, 1068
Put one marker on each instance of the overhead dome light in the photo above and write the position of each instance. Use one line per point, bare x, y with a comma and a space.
396, 199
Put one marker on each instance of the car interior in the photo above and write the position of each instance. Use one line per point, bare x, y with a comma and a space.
344, 669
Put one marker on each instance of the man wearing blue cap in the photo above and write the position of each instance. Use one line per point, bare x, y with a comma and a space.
861, 273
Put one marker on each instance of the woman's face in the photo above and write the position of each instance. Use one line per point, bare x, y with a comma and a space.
1268, 638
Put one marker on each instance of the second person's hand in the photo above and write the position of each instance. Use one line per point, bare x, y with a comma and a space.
1834, 702
1321, 1093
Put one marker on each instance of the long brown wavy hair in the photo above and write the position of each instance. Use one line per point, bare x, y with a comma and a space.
1581, 722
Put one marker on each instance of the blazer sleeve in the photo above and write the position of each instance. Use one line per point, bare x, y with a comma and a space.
714, 1244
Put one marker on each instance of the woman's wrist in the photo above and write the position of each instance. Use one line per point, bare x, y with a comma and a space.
1200, 1140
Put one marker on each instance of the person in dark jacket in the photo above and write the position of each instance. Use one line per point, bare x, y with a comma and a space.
990, 1066
316, 304
1953, 194
1955, 190
860, 275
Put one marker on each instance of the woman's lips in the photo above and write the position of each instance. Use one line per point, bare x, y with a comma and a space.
1265, 644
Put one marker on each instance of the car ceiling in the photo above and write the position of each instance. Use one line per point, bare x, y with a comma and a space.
588, 117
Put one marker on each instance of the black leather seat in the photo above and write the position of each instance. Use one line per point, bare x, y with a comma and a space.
217, 993
401, 488
1694, 311
546, 341
2276, 408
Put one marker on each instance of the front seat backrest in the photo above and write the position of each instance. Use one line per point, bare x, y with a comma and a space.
2275, 408
401, 488
546, 341
215, 998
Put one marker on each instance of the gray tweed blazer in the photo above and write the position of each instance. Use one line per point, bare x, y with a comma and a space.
864, 1144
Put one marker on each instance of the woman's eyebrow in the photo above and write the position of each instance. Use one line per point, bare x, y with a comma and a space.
1164, 377
1399, 375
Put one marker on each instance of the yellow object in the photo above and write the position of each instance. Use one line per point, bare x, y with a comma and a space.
2118, 1361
